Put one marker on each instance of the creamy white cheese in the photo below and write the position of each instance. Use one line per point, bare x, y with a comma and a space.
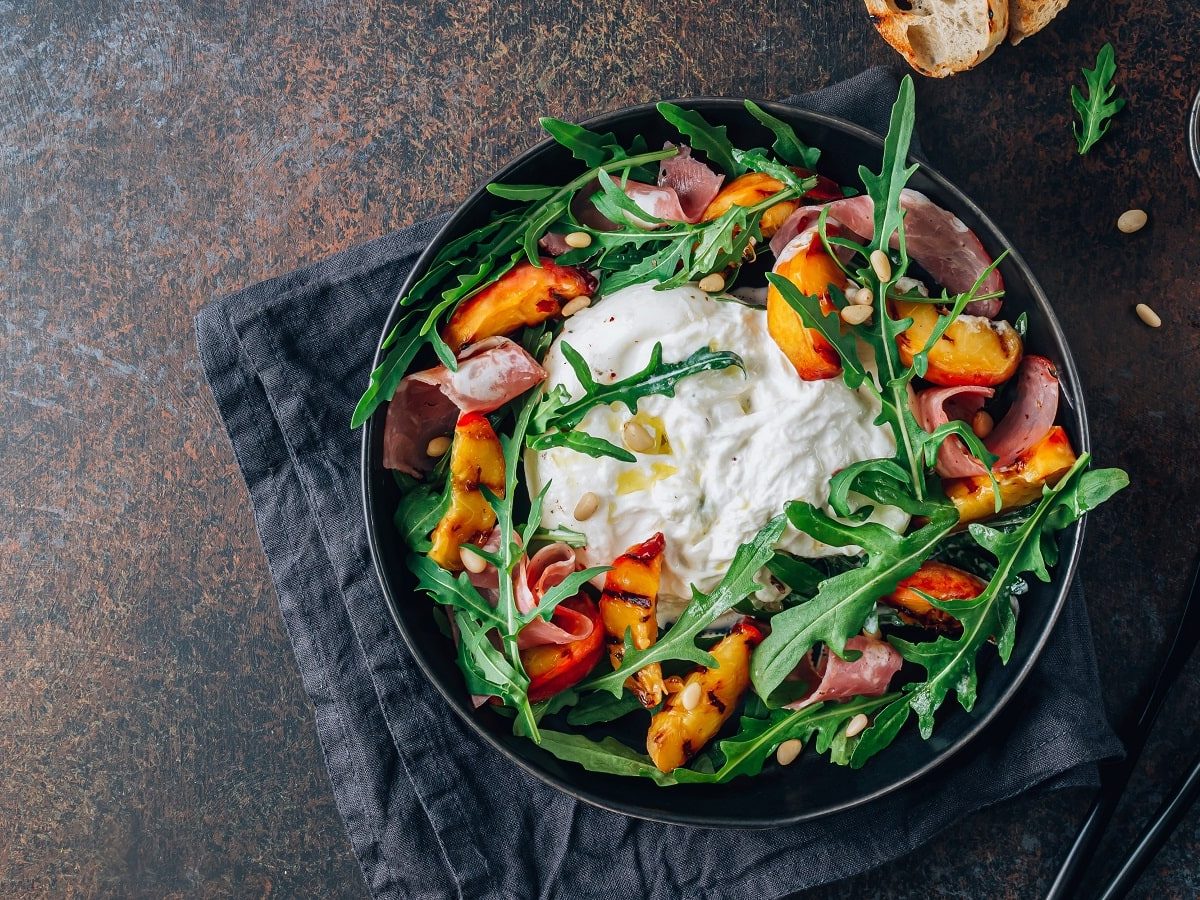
733, 448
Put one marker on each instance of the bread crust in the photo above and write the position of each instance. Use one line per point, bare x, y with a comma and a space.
1028, 17
894, 23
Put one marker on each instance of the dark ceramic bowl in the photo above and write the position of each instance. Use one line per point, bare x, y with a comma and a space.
811, 787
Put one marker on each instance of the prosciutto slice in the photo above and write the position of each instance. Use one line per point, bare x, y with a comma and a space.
1032, 413
427, 403
936, 238
553, 244
693, 183
867, 676
1028, 420
935, 407
546, 569
418, 413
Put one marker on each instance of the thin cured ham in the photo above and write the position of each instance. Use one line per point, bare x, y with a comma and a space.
418, 413
1032, 414
934, 237
427, 403
693, 183
867, 676
546, 569
1028, 420
935, 407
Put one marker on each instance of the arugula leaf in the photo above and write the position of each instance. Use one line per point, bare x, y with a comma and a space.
580, 442
743, 754
451, 589
388, 374
787, 146
800, 576
656, 378
712, 140
755, 161
1027, 547
1097, 109
844, 601
589, 147
679, 642
521, 191
560, 533
596, 708
420, 509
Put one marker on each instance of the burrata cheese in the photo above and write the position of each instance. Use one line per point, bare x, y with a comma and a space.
731, 448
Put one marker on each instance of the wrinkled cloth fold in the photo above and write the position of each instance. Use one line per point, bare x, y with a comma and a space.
431, 810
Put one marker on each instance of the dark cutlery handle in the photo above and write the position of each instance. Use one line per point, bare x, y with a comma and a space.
1150, 841
1115, 777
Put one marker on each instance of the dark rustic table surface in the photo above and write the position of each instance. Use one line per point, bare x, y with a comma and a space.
154, 737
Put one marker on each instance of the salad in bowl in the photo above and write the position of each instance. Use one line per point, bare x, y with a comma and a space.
706, 460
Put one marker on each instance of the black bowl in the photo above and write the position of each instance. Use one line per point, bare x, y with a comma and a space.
811, 787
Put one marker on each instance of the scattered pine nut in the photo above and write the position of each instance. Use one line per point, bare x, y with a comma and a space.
1132, 220
578, 239
471, 560
573, 306
788, 751
1147, 315
857, 725
864, 297
437, 447
637, 438
712, 284
855, 315
982, 423
689, 697
882, 265
587, 506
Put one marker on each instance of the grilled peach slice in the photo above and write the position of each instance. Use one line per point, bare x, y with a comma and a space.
525, 295
755, 187
678, 733
937, 579
812, 271
552, 668
974, 350
747, 190
1021, 481
628, 604
476, 458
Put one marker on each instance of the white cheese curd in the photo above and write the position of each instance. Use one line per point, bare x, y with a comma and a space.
731, 449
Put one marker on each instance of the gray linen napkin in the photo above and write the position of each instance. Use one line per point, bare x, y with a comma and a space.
431, 811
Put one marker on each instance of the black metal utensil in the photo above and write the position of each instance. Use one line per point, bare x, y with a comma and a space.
1115, 777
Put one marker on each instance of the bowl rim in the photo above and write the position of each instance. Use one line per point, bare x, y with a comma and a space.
1065, 572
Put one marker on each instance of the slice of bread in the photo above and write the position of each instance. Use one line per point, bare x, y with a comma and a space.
941, 37
1026, 17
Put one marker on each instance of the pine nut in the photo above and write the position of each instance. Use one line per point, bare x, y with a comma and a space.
587, 506
882, 265
573, 306
864, 297
637, 438
471, 560
857, 725
1147, 315
689, 697
578, 239
1132, 220
437, 447
982, 423
788, 751
856, 315
713, 283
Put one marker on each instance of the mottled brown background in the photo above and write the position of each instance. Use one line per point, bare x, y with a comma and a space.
154, 738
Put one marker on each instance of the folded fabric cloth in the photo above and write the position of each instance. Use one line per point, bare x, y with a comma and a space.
431, 810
